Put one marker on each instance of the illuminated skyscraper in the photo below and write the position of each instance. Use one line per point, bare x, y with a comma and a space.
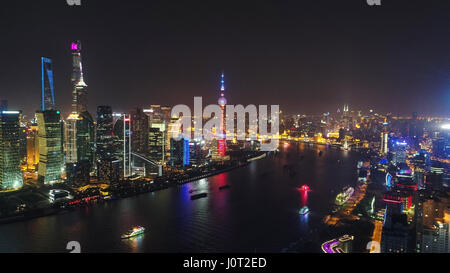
79, 88
10, 173
32, 147
139, 129
86, 138
179, 152
48, 93
51, 163
156, 144
222, 144
104, 136
384, 143
127, 170
71, 138
80, 140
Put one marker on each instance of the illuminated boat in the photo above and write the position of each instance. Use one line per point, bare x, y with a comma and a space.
304, 188
304, 210
133, 232
343, 197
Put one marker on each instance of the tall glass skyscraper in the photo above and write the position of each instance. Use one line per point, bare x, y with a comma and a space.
79, 87
104, 136
48, 94
51, 163
10, 173
80, 128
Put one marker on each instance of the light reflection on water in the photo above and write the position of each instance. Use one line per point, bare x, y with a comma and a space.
259, 211
135, 243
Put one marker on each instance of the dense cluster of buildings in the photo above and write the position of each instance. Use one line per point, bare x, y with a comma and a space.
80, 149
409, 159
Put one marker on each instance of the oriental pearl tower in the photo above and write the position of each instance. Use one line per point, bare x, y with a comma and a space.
222, 144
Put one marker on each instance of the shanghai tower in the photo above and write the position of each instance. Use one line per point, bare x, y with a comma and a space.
80, 125
79, 87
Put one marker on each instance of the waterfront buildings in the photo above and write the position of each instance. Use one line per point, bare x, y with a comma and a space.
108, 170
51, 158
139, 129
156, 144
104, 133
10, 173
32, 147
80, 130
179, 153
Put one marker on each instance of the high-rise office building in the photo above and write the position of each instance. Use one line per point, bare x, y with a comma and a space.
435, 239
78, 173
104, 137
32, 147
48, 92
108, 170
51, 158
398, 151
126, 140
384, 143
23, 142
432, 226
156, 144
172, 130
196, 153
80, 141
71, 138
179, 152
394, 237
139, 129
10, 173
86, 138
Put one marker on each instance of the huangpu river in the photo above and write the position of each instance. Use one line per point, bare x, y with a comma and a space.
258, 213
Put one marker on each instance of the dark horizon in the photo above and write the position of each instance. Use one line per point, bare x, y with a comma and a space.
308, 57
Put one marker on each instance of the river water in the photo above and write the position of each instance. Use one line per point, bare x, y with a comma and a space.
259, 213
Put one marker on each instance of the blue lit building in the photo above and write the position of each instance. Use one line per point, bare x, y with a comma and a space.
48, 93
179, 153
397, 150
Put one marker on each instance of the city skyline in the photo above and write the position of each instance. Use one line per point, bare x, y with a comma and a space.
225, 127
151, 56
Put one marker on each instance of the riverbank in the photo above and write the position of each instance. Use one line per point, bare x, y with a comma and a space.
125, 190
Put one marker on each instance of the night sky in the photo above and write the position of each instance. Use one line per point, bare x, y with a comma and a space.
307, 56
